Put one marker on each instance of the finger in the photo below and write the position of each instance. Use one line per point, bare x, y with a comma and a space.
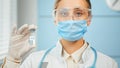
32, 27
25, 31
29, 29
31, 47
25, 37
14, 29
22, 28
21, 38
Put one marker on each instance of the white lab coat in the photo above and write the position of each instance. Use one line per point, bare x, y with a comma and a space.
55, 59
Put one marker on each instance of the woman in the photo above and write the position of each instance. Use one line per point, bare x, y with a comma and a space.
72, 17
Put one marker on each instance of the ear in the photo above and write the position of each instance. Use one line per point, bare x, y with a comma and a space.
89, 20
55, 20
54, 17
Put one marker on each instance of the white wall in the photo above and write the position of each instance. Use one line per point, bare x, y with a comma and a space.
5, 21
27, 12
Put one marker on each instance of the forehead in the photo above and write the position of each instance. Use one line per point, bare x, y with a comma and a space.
72, 4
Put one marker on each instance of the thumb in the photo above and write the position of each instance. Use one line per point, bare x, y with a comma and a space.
31, 47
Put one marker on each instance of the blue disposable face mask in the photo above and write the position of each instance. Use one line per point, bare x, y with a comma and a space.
72, 30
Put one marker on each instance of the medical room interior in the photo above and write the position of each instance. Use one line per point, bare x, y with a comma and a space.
103, 33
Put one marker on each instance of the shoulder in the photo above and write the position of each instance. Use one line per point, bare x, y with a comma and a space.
36, 55
33, 60
104, 60
104, 57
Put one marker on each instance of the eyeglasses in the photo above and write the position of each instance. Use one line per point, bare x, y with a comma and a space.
75, 14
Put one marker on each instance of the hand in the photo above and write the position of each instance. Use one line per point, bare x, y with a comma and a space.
19, 45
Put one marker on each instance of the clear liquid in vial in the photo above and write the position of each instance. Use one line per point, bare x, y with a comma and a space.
32, 38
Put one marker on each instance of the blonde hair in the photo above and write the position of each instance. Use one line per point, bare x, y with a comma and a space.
57, 1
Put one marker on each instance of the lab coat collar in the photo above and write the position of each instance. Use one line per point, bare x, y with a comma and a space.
57, 51
77, 54
87, 56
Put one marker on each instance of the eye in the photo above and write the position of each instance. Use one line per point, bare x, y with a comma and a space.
78, 14
64, 14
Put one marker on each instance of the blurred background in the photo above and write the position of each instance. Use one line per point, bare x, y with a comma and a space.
103, 33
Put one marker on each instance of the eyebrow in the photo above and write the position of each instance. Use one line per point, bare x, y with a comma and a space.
78, 9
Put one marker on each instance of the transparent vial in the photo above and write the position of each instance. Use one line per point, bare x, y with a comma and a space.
32, 38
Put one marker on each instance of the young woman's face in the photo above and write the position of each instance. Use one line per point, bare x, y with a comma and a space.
72, 10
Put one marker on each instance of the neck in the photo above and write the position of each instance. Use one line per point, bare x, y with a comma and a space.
71, 47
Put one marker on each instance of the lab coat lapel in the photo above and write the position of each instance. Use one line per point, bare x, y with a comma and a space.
87, 58
56, 52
